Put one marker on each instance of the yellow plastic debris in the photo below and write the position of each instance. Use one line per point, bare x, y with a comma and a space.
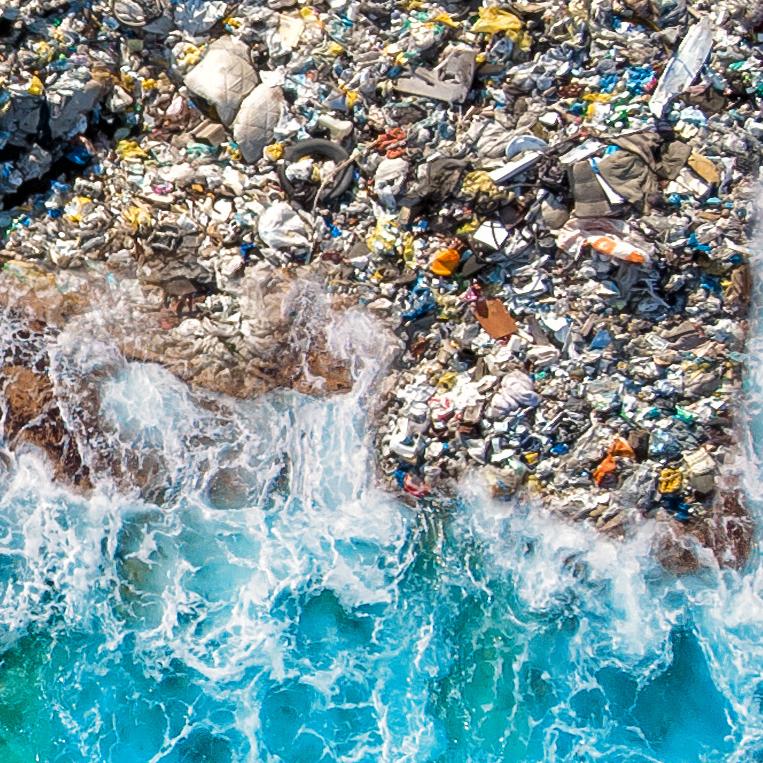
351, 98
387, 238
670, 481
479, 182
274, 151
126, 81
190, 55
494, 21
468, 227
44, 51
408, 253
35, 86
447, 380
137, 216
534, 485
233, 151
130, 149
446, 18
77, 208
597, 97
445, 262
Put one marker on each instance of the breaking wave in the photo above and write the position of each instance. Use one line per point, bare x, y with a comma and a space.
253, 597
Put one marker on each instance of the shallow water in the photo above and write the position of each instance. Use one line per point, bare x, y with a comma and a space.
266, 603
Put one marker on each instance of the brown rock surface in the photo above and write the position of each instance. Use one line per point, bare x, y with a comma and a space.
33, 416
727, 533
286, 347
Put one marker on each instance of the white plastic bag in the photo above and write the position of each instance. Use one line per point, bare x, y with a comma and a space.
280, 227
684, 66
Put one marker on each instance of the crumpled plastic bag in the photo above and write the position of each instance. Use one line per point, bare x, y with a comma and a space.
637, 489
516, 391
479, 182
389, 180
614, 238
198, 16
670, 481
620, 448
607, 466
488, 136
137, 216
130, 150
304, 170
280, 227
684, 66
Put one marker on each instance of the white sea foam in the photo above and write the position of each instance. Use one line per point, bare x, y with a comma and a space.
221, 589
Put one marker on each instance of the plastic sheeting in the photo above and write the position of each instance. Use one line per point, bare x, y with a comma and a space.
256, 121
224, 77
684, 66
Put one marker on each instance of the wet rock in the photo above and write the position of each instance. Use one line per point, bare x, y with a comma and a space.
724, 536
227, 489
34, 417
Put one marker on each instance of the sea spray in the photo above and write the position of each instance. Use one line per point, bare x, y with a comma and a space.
275, 604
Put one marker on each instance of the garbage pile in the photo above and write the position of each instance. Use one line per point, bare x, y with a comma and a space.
549, 203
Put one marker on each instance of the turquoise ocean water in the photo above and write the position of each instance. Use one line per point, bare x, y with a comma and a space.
264, 602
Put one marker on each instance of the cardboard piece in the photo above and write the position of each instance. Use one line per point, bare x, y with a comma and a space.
495, 318
704, 168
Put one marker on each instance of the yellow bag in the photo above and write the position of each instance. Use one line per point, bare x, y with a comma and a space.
35, 86
274, 151
447, 380
77, 208
137, 216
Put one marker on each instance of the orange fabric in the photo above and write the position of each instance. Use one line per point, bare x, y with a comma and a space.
445, 262
621, 447
607, 466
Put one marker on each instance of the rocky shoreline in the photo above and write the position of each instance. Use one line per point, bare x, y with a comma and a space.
550, 221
